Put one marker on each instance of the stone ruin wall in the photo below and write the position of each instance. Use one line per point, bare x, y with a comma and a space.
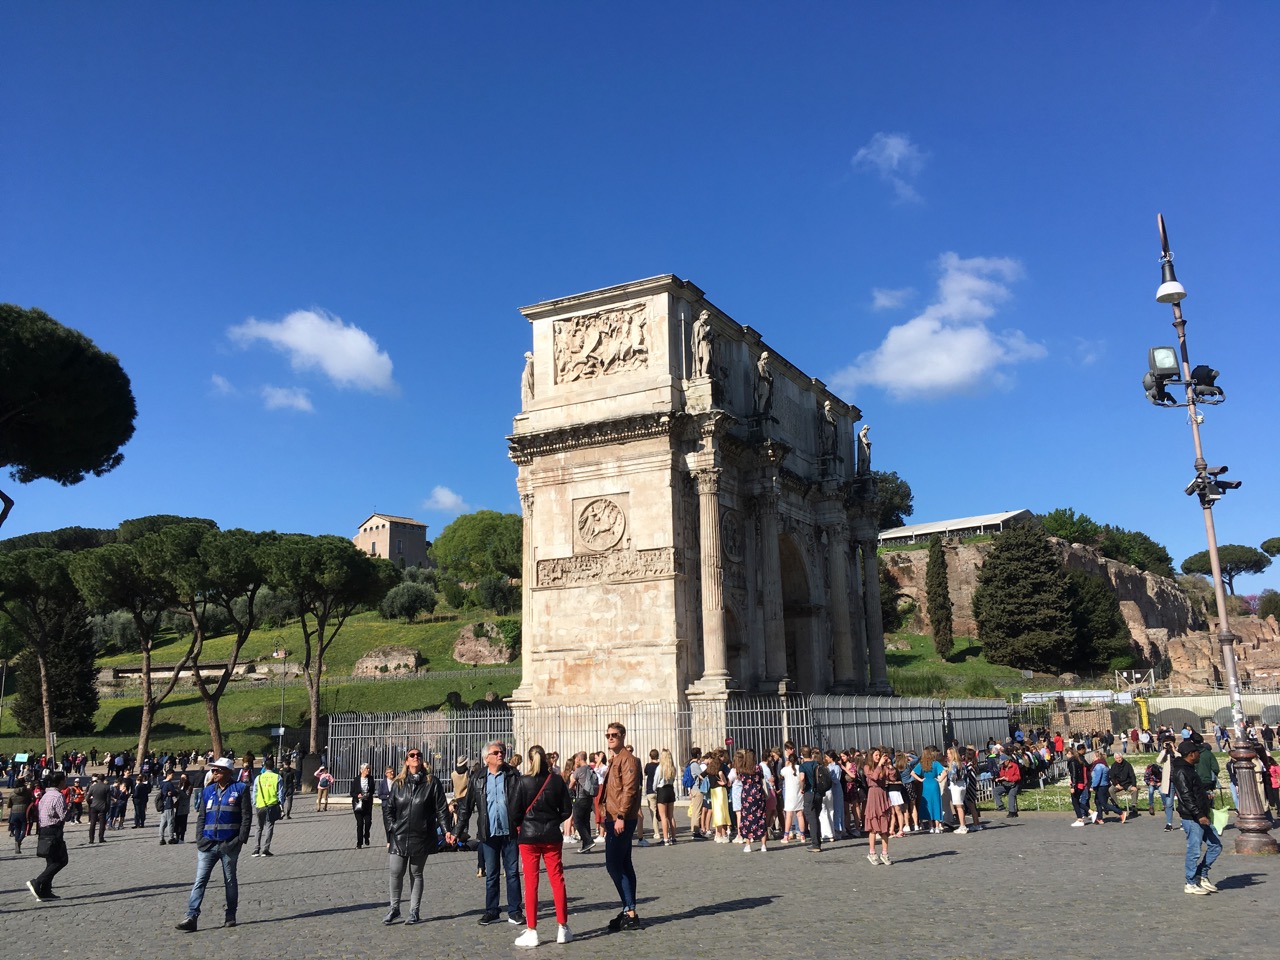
1161, 620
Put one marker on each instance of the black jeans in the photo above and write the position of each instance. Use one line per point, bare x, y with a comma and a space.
55, 861
364, 821
812, 808
582, 817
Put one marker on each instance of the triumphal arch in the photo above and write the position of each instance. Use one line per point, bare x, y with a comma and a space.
698, 513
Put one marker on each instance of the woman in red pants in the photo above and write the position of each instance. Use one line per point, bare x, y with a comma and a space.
541, 803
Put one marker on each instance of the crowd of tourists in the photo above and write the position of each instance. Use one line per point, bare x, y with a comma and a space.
525, 810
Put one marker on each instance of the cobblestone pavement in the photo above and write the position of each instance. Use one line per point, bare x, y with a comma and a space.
1027, 888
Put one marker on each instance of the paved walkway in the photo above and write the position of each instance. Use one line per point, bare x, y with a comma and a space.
1027, 888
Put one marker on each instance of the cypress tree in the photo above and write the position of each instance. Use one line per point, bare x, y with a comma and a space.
938, 598
1022, 605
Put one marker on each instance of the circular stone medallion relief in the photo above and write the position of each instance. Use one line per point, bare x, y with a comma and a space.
601, 524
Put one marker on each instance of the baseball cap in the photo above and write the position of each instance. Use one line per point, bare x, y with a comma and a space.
1188, 747
224, 763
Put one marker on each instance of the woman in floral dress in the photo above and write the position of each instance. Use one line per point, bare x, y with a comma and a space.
751, 822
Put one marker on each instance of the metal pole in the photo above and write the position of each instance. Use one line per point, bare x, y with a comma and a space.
284, 673
1251, 821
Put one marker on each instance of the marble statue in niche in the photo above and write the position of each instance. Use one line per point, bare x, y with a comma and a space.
703, 339
764, 386
526, 381
828, 430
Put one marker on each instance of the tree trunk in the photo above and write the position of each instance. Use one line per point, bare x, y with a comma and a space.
313, 694
45, 707
215, 725
211, 699
148, 702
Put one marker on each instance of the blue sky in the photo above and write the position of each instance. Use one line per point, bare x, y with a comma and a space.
306, 230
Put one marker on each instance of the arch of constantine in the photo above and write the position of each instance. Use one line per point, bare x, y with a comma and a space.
698, 513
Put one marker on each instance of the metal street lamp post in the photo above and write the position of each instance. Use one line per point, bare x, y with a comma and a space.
1201, 387
284, 676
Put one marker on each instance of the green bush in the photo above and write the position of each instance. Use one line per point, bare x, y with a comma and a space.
509, 627
981, 688
923, 683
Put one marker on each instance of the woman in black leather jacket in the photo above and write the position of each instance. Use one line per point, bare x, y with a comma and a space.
540, 805
413, 809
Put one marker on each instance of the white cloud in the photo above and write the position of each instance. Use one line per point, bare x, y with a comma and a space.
886, 299
315, 340
221, 385
445, 500
1089, 352
287, 398
948, 347
896, 160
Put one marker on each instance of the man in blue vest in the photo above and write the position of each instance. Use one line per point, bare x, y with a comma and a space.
226, 811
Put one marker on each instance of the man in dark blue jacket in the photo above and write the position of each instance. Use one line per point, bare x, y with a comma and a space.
226, 815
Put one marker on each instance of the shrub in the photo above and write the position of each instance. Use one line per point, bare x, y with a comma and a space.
406, 600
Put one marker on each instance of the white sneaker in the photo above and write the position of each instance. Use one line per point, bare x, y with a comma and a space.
564, 935
1196, 889
528, 939
1078, 823
746, 848
1093, 816
873, 858
884, 859
962, 829
1208, 884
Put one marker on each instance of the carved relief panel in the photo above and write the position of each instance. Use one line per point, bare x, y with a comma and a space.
597, 344
600, 523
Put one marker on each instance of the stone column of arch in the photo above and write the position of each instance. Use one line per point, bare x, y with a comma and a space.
841, 634
775, 636
874, 626
715, 673
530, 568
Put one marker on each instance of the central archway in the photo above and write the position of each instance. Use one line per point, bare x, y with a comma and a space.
799, 616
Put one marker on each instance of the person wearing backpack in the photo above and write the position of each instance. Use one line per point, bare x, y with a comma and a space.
584, 785
815, 781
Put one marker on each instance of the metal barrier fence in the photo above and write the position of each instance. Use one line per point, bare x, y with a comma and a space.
757, 722
976, 721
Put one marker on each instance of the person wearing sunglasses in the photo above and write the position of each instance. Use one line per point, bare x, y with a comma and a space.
491, 791
621, 806
414, 808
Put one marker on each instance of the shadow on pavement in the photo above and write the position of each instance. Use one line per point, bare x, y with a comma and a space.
1239, 881
926, 856
328, 911
726, 906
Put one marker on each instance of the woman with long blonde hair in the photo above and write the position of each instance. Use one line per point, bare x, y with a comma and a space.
664, 788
